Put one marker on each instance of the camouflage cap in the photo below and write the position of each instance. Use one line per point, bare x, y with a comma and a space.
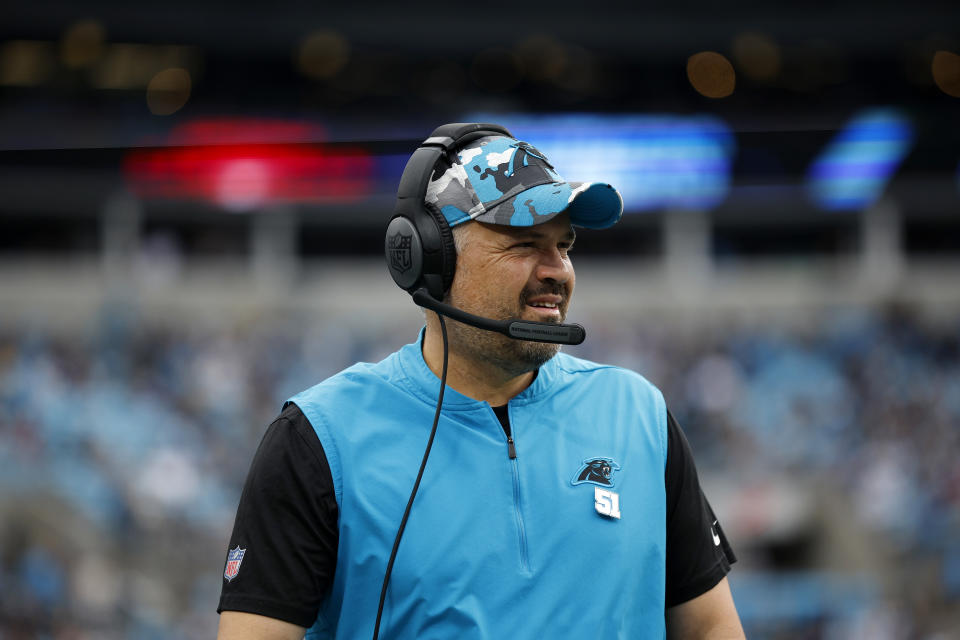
501, 180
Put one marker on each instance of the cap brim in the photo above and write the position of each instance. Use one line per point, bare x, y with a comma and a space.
594, 205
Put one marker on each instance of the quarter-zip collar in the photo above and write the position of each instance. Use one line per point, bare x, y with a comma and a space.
424, 383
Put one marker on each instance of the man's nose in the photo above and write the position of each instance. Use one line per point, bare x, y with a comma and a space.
554, 265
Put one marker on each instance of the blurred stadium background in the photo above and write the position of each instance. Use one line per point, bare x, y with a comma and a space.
192, 203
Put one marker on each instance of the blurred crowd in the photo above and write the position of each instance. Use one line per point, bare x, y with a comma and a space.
123, 450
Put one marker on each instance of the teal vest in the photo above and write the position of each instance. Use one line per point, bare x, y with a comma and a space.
566, 540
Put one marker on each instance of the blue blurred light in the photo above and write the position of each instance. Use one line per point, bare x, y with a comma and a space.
655, 161
853, 170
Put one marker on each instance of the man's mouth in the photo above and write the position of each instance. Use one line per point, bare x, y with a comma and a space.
545, 307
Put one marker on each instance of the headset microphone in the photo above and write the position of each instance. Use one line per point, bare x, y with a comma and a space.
518, 329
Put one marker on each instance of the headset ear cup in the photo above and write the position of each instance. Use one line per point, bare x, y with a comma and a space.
448, 249
404, 252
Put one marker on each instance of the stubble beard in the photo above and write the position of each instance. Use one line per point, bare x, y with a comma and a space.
514, 357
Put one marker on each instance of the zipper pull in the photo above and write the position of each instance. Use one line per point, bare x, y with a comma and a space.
511, 450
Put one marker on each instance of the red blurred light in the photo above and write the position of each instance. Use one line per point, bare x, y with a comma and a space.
244, 164
244, 184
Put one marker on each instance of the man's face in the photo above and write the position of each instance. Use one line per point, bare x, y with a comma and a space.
512, 272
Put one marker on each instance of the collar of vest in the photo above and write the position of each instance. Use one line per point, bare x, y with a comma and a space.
425, 384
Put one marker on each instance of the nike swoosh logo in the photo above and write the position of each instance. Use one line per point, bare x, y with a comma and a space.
716, 538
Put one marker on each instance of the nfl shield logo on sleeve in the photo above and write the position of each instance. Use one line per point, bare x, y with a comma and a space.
234, 558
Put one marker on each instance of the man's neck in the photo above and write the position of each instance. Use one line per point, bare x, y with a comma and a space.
478, 380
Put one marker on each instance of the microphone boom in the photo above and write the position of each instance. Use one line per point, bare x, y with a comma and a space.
517, 329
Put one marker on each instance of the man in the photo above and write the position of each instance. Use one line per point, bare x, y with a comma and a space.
560, 498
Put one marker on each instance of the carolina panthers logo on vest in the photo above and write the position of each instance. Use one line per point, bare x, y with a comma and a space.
597, 471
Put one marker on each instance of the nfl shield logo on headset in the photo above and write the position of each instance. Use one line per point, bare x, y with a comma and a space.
399, 245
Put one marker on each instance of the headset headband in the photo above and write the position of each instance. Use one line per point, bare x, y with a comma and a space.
444, 140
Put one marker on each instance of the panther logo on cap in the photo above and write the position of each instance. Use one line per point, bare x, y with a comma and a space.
526, 166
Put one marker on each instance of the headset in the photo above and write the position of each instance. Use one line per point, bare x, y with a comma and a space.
422, 258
